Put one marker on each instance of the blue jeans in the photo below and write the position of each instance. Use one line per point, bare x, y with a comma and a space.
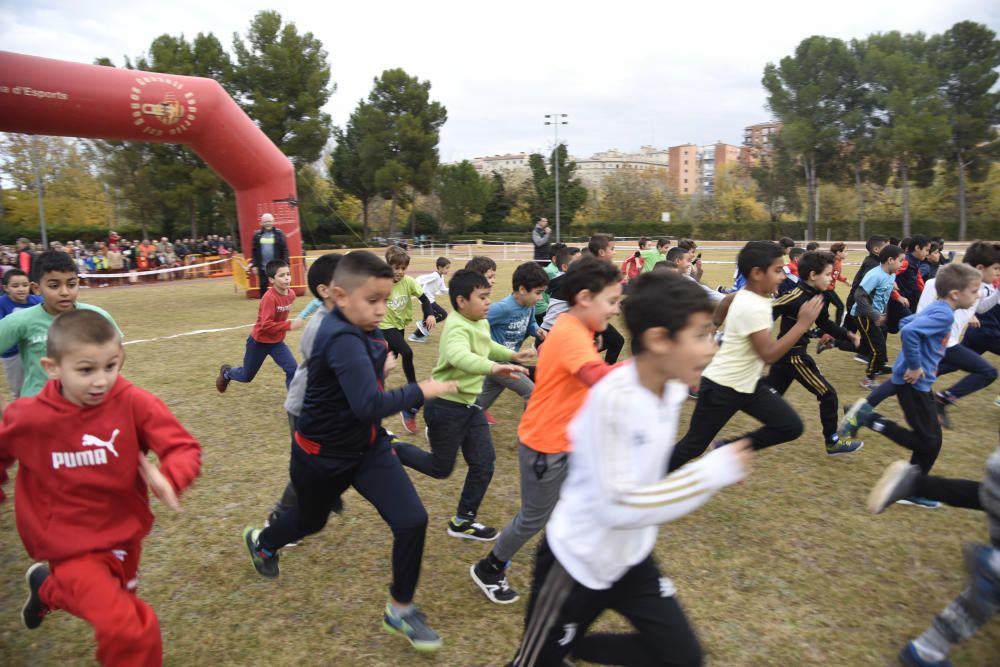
962, 358
255, 355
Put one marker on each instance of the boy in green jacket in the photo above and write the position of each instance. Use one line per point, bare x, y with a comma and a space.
54, 278
466, 355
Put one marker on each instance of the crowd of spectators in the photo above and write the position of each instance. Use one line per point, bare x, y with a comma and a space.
117, 254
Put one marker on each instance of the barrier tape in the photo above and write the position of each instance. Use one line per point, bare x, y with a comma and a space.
152, 272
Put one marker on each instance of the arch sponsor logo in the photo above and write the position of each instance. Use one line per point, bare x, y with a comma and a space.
161, 106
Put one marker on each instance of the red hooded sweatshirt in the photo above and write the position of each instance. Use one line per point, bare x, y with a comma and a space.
78, 486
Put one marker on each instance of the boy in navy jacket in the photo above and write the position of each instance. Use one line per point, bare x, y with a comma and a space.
339, 441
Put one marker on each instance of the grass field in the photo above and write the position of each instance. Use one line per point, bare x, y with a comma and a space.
788, 569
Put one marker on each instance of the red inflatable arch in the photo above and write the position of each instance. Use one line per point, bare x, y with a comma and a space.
56, 97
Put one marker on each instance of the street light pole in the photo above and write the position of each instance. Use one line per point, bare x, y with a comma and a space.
555, 123
41, 192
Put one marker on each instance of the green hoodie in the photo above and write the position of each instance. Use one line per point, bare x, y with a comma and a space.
466, 354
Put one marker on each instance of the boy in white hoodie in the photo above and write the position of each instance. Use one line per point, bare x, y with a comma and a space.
597, 553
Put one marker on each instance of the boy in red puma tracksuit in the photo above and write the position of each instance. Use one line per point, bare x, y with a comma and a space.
81, 499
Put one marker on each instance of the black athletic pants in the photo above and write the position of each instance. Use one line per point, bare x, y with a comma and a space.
872, 344
838, 305
561, 610
397, 343
923, 438
954, 492
378, 476
798, 366
717, 404
451, 427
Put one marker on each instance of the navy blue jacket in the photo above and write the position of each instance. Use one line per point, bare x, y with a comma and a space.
345, 400
909, 282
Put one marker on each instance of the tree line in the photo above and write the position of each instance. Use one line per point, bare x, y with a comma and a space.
879, 115
905, 109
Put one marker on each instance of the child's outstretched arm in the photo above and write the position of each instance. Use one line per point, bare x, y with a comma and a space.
771, 350
633, 504
161, 432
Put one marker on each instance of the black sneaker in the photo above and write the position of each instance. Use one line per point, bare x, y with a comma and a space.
221, 380
493, 584
34, 610
266, 564
471, 530
943, 402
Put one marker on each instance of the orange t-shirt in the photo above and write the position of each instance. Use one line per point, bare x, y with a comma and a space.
558, 393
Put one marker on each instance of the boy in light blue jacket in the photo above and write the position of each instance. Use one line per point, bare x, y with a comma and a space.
923, 337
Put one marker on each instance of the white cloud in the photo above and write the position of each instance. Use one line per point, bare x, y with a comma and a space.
627, 72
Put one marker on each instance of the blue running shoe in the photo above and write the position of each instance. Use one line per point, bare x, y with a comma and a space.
919, 501
911, 658
412, 624
837, 447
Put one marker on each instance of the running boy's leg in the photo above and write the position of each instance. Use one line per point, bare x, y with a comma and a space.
94, 587
981, 373
479, 455
663, 637
397, 343
559, 612
781, 422
873, 342
285, 359
924, 436
716, 405
319, 483
542, 476
971, 609
383, 482
253, 358
446, 424
493, 386
809, 376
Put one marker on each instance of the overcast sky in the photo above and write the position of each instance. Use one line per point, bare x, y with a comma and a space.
628, 73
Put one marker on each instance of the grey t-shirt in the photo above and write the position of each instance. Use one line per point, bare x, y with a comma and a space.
297, 389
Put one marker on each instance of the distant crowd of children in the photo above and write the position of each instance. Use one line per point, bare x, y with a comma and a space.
602, 456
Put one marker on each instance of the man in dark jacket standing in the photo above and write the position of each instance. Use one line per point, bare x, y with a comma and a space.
541, 236
268, 243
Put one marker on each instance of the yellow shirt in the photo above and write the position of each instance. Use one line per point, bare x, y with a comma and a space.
737, 365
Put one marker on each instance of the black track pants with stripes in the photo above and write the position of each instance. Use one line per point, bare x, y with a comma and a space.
798, 366
561, 611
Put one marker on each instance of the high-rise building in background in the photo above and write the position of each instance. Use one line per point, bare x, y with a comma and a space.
713, 160
757, 143
683, 174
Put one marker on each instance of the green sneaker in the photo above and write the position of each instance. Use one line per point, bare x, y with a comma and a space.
846, 446
264, 562
411, 624
858, 415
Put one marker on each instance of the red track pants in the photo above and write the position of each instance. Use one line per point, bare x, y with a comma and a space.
100, 588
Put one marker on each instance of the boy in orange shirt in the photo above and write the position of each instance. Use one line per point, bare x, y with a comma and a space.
568, 365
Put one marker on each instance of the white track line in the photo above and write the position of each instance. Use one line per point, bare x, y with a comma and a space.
186, 333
